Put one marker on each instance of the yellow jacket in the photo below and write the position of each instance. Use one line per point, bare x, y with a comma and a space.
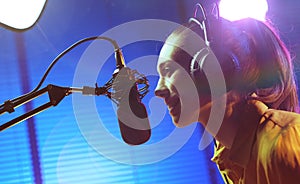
266, 149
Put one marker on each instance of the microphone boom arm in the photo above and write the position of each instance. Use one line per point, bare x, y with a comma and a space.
56, 95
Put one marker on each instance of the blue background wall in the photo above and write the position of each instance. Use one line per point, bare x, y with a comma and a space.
50, 147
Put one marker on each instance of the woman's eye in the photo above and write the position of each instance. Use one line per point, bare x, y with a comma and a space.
166, 70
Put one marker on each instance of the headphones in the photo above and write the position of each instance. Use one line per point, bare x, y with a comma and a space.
211, 27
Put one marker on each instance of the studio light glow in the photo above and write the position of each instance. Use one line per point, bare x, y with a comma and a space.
20, 14
239, 9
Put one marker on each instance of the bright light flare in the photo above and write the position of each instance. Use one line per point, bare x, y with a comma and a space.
20, 14
239, 9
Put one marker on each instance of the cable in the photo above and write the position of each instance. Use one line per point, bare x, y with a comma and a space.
113, 42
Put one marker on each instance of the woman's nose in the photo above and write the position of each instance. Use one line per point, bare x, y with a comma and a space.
161, 90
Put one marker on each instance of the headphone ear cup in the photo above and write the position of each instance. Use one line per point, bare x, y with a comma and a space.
197, 70
228, 62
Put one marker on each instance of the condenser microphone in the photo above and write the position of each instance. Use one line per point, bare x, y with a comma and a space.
132, 115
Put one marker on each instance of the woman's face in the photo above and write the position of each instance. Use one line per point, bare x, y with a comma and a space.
175, 84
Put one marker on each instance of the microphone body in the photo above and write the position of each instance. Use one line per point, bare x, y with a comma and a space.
132, 115
133, 119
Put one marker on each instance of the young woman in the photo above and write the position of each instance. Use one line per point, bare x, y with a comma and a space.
258, 138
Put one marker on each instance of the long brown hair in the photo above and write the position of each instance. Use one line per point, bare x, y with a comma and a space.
266, 65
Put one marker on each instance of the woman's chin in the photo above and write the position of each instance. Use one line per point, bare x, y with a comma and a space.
183, 118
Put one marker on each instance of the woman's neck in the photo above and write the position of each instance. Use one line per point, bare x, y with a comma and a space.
234, 111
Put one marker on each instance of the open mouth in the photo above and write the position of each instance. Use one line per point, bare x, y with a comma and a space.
173, 106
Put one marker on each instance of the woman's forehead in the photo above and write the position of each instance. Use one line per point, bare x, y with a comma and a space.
180, 47
172, 54
188, 41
